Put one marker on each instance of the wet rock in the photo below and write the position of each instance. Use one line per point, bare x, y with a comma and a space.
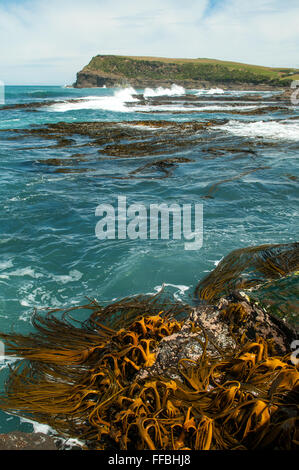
125, 139
189, 343
18, 440
246, 318
216, 332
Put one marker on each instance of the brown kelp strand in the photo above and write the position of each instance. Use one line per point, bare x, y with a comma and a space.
215, 186
249, 267
95, 379
280, 297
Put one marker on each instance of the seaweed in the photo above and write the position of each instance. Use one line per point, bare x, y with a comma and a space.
83, 379
165, 167
119, 139
249, 267
280, 297
214, 187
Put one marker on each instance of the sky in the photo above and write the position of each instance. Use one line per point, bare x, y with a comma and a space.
46, 42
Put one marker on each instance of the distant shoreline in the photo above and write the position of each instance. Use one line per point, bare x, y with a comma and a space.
187, 85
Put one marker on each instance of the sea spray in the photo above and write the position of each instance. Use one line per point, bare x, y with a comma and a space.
174, 90
283, 130
116, 103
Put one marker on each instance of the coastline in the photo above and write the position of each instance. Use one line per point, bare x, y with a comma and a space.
95, 80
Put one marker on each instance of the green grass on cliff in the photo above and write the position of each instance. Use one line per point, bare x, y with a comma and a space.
158, 68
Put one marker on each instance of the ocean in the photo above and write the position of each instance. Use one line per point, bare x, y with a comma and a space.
235, 153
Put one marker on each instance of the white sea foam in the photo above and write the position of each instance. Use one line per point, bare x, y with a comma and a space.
211, 91
28, 271
178, 292
73, 276
10, 120
141, 126
32, 294
37, 427
117, 102
6, 265
282, 130
7, 361
174, 90
220, 91
68, 443
36, 297
182, 108
217, 261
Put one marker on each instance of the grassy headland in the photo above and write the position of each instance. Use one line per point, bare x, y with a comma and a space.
111, 70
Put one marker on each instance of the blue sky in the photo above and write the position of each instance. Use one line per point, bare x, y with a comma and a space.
212, 6
47, 42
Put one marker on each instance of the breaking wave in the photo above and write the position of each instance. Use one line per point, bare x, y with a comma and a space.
272, 130
117, 102
183, 109
174, 90
211, 91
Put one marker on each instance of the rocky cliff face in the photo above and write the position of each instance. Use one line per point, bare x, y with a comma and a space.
91, 79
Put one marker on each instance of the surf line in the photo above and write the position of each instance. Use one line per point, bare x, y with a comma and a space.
137, 221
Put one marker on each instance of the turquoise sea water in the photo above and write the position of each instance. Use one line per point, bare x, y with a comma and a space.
49, 253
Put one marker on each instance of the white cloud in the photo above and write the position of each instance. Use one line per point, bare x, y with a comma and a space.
48, 42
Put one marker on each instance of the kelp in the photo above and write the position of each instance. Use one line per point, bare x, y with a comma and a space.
249, 267
82, 377
215, 186
280, 297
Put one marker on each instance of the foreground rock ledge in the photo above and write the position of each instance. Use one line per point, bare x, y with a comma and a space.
234, 314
